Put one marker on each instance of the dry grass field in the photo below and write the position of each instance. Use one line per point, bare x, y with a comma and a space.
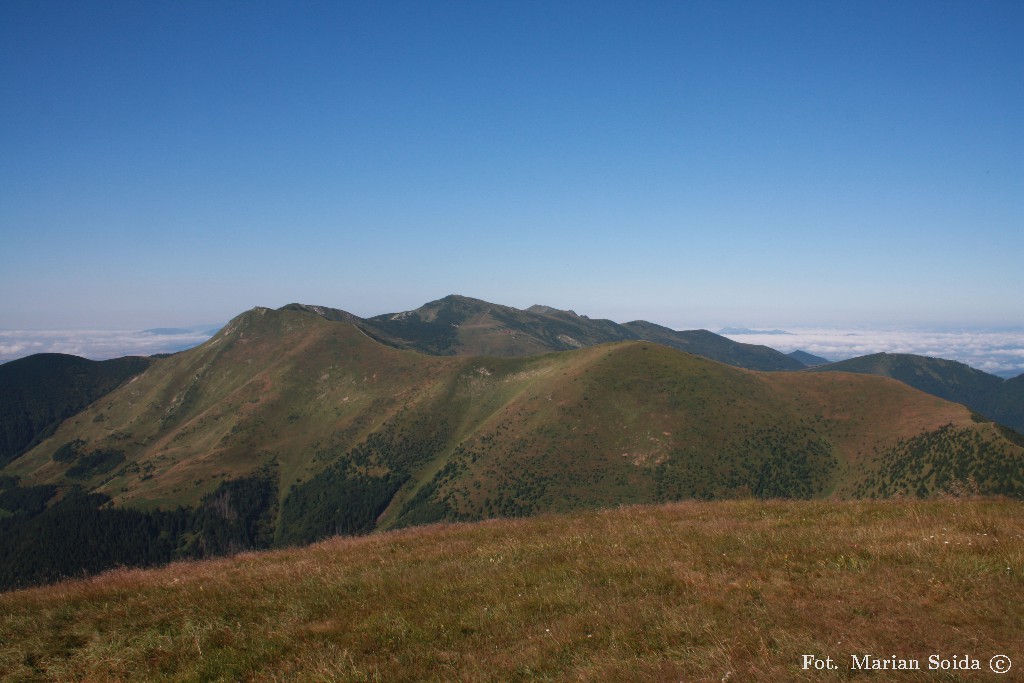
737, 590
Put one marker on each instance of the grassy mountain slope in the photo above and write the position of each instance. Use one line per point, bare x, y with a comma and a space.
641, 422
271, 387
39, 391
690, 591
997, 399
715, 346
468, 437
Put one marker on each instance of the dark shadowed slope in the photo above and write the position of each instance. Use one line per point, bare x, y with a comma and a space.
39, 391
808, 359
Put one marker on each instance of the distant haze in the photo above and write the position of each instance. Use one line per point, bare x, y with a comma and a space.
99, 344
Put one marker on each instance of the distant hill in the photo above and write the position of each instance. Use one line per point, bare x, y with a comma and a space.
808, 359
998, 399
39, 391
716, 347
459, 325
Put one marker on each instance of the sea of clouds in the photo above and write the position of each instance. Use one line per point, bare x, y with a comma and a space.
99, 344
997, 351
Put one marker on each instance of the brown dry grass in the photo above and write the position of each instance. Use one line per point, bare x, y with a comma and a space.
693, 591
867, 411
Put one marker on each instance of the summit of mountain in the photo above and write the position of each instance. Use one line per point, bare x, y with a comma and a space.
325, 312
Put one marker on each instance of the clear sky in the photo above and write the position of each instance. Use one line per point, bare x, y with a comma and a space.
690, 163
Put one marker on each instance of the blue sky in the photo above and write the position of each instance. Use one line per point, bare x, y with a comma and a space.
697, 164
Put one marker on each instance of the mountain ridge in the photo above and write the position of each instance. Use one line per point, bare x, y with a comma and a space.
461, 325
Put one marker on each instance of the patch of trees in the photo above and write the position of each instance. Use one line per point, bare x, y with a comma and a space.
97, 462
425, 507
238, 516
336, 501
946, 460
86, 465
1010, 435
30, 501
773, 462
350, 494
48, 534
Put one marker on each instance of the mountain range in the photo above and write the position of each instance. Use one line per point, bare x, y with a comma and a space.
294, 424
459, 325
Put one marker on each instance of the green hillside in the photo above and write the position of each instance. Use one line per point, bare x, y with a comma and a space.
995, 398
287, 427
39, 391
735, 591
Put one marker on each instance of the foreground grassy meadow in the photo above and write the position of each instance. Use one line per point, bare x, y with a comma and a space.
735, 590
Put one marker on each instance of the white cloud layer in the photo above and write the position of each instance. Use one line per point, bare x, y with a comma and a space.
1000, 352
96, 344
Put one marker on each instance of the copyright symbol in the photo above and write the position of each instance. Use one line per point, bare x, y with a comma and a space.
1000, 664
